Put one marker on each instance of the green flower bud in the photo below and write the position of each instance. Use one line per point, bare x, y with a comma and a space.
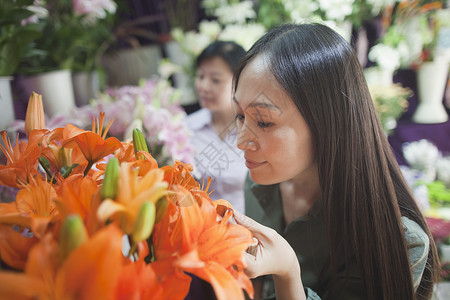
110, 186
139, 142
72, 235
143, 225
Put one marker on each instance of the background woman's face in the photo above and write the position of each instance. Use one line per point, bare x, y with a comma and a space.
213, 84
277, 141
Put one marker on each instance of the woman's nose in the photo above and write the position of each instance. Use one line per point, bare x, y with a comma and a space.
246, 140
202, 84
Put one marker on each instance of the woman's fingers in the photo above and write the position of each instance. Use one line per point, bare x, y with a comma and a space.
247, 222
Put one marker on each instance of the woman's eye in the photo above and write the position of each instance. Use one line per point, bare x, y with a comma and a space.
264, 124
239, 117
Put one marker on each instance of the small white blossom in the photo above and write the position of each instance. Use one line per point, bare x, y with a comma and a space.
337, 10
236, 13
385, 56
245, 35
443, 170
421, 155
210, 28
94, 9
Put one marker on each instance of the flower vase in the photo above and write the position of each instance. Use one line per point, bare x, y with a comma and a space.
379, 76
431, 80
56, 89
86, 86
7, 116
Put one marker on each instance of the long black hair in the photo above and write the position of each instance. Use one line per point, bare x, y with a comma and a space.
364, 194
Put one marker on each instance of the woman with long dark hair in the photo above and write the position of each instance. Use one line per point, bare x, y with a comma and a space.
338, 220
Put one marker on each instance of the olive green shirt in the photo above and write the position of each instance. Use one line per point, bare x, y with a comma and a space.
308, 237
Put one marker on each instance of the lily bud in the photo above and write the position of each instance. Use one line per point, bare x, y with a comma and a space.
34, 118
145, 219
139, 142
110, 186
72, 235
161, 208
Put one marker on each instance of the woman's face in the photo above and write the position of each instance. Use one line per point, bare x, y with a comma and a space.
274, 135
213, 84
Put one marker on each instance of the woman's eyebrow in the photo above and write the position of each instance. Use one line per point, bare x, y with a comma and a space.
261, 104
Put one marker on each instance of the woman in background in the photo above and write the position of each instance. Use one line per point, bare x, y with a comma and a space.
331, 212
214, 126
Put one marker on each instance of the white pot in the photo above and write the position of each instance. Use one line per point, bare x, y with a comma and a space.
431, 81
56, 89
444, 253
441, 291
7, 116
86, 86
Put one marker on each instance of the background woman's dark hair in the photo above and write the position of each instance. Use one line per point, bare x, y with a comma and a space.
230, 52
364, 194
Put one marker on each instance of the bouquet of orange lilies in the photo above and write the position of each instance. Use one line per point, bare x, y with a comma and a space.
83, 195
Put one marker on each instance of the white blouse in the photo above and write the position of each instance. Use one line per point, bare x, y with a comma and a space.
218, 158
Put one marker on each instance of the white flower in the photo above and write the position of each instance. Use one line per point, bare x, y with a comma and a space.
94, 9
195, 42
210, 28
379, 5
235, 13
443, 170
336, 10
39, 12
385, 56
245, 35
421, 155
300, 9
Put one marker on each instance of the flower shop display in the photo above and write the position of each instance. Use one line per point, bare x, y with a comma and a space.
74, 35
390, 102
96, 218
16, 34
153, 107
417, 36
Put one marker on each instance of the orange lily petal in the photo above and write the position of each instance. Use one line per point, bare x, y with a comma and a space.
14, 247
20, 286
92, 270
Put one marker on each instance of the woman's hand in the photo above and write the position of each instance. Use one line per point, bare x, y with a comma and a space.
272, 254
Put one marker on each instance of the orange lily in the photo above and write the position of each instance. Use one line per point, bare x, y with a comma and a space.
133, 192
157, 280
34, 118
93, 144
14, 247
21, 164
34, 207
127, 155
209, 249
180, 174
79, 195
90, 272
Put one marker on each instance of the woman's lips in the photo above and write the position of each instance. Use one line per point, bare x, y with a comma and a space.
252, 164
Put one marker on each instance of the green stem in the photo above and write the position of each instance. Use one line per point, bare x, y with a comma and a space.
88, 167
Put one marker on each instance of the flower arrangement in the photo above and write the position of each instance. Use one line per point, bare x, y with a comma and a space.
74, 35
428, 171
152, 107
232, 21
83, 197
416, 31
335, 12
390, 102
17, 31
